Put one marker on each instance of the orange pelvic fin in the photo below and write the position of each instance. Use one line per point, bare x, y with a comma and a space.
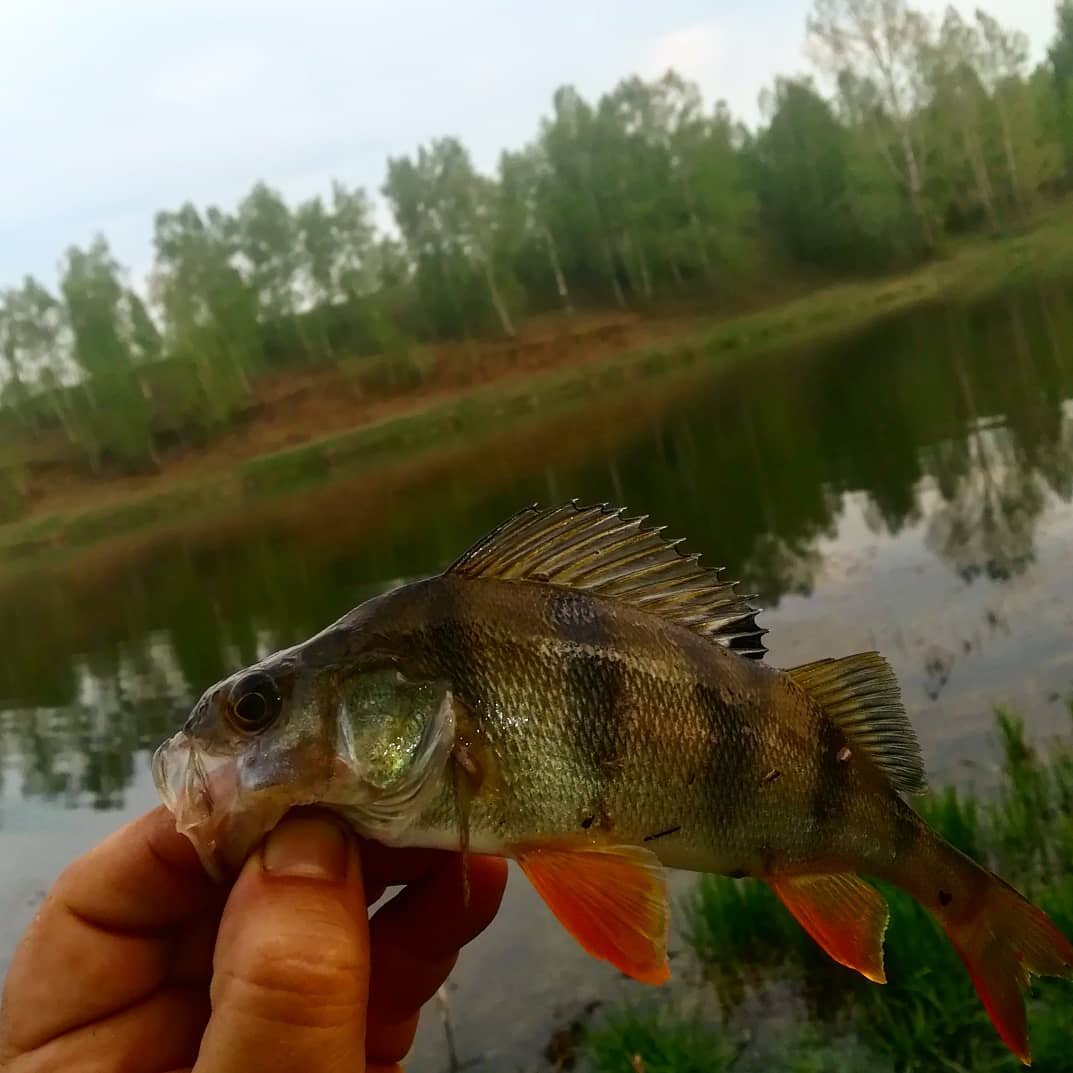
1002, 944
846, 916
612, 899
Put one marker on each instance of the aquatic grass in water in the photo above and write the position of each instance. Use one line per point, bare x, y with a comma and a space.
927, 1017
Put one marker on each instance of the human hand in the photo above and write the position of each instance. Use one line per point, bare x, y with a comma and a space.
138, 962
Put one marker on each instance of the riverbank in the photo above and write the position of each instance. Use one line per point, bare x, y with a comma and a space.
545, 380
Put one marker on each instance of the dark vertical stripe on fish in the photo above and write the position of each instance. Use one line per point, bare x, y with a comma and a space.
597, 690
455, 647
729, 758
829, 793
729, 761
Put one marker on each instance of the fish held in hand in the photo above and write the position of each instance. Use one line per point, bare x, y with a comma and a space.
575, 693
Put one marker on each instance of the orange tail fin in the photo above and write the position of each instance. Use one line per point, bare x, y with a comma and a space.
1002, 944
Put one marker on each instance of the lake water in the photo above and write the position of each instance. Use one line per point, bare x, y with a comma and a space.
907, 489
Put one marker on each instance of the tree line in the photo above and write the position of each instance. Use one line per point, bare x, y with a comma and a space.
644, 196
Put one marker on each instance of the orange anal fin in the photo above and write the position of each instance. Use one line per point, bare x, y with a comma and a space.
612, 899
846, 916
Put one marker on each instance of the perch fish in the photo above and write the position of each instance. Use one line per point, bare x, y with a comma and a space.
577, 694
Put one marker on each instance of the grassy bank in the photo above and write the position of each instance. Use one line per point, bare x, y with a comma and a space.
422, 428
927, 1017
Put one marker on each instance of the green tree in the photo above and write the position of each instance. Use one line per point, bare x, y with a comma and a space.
1060, 55
269, 255
950, 69
99, 312
1002, 60
525, 232
878, 44
211, 334
445, 211
12, 388
802, 175
576, 200
37, 347
714, 169
369, 274
316, 262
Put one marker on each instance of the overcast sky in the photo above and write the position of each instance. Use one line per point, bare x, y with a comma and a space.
113, 109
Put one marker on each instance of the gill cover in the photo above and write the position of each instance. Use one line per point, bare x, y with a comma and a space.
395, 735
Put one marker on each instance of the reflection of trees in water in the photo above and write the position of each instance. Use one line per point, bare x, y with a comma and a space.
83, 753
986, 521
950, 419
994, 478
779, 567
125, 697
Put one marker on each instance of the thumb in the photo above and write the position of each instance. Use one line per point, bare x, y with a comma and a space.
291, 969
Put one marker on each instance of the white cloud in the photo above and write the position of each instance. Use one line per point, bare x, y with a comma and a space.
731, 59
694, 52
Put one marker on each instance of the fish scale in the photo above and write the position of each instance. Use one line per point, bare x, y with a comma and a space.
619, 727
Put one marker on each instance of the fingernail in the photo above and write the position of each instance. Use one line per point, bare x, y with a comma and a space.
309, 847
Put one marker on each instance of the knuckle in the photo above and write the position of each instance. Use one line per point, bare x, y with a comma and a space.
317, 985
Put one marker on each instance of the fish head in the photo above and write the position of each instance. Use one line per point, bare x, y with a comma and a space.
252, 747
363, 737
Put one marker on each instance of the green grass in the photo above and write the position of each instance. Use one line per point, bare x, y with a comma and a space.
927, 1017
644, 1041
640, 1042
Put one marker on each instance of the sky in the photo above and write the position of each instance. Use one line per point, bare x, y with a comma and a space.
111, 110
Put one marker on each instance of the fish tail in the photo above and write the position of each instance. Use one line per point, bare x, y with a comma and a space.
1003, 939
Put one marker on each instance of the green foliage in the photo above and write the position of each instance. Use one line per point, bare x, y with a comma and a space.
109, 335
825, 197
1060, 56
927, 1016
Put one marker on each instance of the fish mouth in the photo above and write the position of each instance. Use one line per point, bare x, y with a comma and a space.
202, 792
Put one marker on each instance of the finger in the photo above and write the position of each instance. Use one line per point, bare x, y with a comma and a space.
193, 950
102, 939
415, 940
161, 1033
146, 878
290, 978
387, 866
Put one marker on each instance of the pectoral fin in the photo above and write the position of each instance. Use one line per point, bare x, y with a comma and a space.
612, 899
845, 915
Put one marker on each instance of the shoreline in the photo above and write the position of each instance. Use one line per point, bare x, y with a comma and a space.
968, 271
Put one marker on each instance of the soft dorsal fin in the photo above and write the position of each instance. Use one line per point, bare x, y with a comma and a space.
600, 550
861, 695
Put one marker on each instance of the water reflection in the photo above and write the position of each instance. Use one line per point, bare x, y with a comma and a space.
949, 427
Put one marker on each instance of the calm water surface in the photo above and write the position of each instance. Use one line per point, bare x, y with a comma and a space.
908, 489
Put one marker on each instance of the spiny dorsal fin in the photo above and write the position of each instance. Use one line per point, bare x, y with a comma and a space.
600, 550
861, 695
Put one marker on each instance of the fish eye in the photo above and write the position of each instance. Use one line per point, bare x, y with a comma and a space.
255, 702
